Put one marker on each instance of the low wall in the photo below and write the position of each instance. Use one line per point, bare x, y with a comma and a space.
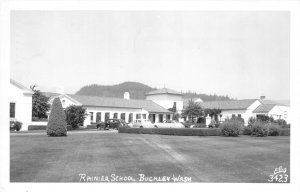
173, 131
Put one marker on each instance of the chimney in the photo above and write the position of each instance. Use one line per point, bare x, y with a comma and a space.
262, 97
126, 95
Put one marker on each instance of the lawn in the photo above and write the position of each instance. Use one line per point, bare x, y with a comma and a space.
38, 158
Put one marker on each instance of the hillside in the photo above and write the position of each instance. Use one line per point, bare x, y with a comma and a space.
137, 91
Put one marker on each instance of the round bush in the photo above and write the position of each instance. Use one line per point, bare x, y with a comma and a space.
15, 125
57, 125
259, 129
231, 128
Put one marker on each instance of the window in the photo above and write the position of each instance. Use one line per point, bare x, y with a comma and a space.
92, 114
123, 116
144, 116
116, 115
12, 110
138, 116
98, 116
160, 118
106, 116
174, 105
168, 117
233, 115
239, 115
130, 117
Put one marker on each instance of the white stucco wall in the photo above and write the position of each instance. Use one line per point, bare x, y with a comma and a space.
111, 112
23, 107
245, 114
167, 100
285, 112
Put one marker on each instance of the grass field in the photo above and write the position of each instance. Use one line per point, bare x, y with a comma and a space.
38, 158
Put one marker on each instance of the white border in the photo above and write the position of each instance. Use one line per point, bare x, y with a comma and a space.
6, 7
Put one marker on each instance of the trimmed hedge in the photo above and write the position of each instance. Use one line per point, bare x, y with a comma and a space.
43, 127
93, 126
172, 131
37, 127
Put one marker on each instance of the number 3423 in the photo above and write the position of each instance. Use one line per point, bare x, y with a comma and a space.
279, 178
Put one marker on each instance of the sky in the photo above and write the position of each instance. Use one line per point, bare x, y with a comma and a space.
242, 54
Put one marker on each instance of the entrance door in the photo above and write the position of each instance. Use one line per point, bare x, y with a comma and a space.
153, 117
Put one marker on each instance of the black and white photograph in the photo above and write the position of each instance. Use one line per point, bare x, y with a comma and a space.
149, 96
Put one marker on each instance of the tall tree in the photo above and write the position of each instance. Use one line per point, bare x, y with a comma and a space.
193, 110
40, 105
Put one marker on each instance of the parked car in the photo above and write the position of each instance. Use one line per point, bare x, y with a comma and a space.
115, 123
169, 124
101, 124
142, 123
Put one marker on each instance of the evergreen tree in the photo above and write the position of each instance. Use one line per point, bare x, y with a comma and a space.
57, 125
40, 105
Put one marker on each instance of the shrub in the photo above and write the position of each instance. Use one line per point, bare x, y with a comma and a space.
15, 125
265, 118
231, 127
75, 115
273, 129
251, 120
284, 132
57, 125
247, 130
281, 122
259, 129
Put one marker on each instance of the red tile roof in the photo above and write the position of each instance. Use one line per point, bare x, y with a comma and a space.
265, 108
227, 105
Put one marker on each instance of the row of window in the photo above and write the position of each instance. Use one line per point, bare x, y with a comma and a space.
238, 115
123, 116
116, 115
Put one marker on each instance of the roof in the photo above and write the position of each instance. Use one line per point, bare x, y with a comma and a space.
164, 91
187, 100
147, 105
264, 108
20, 86
227, 105
50, 94
271, 102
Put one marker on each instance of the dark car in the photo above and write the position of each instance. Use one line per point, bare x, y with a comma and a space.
115, 123
100, 125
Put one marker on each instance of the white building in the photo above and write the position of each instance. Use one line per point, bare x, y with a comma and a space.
20, 104
248, 108
103, 108
166, 98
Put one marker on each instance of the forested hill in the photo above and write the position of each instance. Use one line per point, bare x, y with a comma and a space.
136, 90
